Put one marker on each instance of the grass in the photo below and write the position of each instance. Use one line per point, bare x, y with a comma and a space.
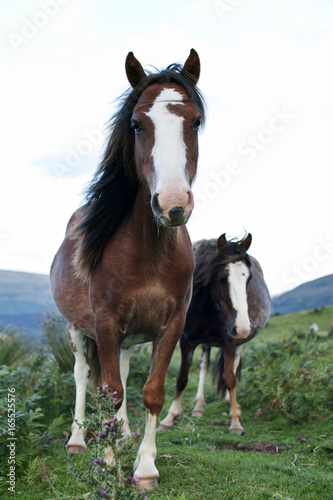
286, 395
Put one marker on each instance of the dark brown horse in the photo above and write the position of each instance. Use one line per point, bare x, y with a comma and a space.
123, 274
230, 305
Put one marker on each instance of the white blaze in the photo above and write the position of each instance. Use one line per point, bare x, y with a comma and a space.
237, 278
169, 150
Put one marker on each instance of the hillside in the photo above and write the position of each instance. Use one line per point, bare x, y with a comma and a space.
24, 299
309, 295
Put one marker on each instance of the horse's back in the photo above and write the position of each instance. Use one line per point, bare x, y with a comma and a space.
70, 292
259, 302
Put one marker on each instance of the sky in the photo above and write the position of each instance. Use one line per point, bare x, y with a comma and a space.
265, 163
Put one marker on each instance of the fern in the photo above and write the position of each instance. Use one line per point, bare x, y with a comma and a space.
37, 471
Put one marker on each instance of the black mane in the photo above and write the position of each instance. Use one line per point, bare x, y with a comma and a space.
112, 192
209, 261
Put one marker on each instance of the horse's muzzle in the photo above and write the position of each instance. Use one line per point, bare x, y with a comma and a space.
240, 333
176, 216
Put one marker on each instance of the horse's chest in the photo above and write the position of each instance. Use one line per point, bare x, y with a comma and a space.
145, 312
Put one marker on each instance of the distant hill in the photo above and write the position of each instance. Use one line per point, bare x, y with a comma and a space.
309, 295
24, 300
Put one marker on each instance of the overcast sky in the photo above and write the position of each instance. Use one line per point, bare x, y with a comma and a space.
265, 155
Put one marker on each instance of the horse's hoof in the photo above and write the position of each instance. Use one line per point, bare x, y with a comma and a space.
163, 427
197, 413
147, 483
240, 432
76, 448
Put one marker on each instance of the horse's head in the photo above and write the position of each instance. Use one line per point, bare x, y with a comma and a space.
165, 120
232, 273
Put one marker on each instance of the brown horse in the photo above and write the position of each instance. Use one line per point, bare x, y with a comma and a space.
230, 305
123, 274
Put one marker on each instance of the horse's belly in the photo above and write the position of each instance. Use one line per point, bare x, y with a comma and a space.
71, 294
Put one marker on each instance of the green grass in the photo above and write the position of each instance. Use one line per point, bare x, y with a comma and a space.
287, 375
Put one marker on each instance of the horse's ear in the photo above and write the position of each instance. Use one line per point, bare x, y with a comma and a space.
245, 244
221, 242
134, 70
192, 66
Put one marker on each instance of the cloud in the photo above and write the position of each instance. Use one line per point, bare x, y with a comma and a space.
57, 94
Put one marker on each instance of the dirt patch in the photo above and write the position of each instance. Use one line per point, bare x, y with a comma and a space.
261, 447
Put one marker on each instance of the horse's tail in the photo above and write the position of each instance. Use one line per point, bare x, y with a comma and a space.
218, 373
93, 362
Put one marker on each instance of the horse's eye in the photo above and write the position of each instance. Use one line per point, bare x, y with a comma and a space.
137, 127
197, 123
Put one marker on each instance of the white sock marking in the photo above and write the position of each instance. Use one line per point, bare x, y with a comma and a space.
144, 465
199, 398
81, 375
125, 356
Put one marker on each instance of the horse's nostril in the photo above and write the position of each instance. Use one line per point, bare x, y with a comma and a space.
176, 214
156, 205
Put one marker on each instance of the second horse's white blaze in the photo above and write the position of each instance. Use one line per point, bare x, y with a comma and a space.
237, 278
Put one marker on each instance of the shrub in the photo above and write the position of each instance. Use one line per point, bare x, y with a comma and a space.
105, 478
287, 377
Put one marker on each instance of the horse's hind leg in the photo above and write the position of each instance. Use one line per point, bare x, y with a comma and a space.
199, 398
125, 355
232, 359
182, 379
81, 376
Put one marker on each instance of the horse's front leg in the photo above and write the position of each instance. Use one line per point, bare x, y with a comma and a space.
230, 383
153, 398
107, 339
175, 409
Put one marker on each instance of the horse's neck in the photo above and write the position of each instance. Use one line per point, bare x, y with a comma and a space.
158, 240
